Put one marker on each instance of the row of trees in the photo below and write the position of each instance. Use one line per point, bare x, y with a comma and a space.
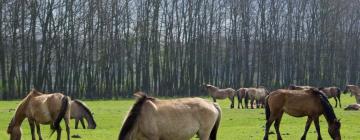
111, 48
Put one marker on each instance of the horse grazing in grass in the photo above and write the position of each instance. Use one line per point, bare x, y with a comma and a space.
332, 92
41, 108
354, 90
295, 87
241, 94
256, 94
176, 119
79, 111
299, 103
353, 107
217, 93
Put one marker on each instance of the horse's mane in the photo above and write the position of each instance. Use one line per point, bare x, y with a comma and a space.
87, 110
133, 114
328, 110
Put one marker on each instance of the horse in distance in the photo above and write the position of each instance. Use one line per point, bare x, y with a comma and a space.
175, 119
299, 103
255, 94
41, 108
217, 93
79, 111
332, 92
241, 94
354, 90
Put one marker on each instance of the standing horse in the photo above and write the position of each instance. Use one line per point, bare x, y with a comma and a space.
241, 94
299, 103
41, 108
255, 94
354, 90
79, 111
176, 119
217, 93
332, 92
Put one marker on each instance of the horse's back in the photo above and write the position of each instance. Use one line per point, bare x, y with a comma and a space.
45, 108
296, 103
178, 118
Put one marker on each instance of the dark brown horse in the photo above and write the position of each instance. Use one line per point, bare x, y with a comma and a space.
79, 111
217, 93
332, 92
299, 103
176, 119
41, 108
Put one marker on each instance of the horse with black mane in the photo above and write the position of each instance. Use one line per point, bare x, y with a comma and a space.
299, 103
79, 111
176, 119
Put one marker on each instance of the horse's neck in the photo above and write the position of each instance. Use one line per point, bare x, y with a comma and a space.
19, 116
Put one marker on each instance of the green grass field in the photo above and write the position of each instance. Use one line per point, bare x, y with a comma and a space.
236, 124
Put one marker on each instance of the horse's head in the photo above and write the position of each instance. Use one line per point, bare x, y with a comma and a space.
14, 131
91, 122
334, 129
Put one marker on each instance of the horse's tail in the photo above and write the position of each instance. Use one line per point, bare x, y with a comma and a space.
217, 123
338, 92
133, 115
267, 108
62, 112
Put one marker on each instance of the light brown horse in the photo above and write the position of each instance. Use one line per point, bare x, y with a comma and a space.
79, 111
176, 119
255, 94
354, 90
217, 93
299, 103
41, 108
332, 92
353, 107
241, 94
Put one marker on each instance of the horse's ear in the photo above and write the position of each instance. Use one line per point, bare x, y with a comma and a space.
139, 94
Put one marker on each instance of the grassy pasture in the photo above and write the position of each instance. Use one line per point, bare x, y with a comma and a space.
236, 124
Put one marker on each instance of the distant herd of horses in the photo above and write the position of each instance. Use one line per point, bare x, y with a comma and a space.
182, 118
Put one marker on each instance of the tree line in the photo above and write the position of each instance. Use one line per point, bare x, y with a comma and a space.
111, 48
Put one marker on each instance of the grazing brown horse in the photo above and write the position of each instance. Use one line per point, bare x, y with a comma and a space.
176, 119
299, 103
332, 92
41, 108
217, 93
353, 107
241, 94
255, 94
79, 111
354, 90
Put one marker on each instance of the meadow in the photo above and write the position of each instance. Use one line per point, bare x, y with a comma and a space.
236, 124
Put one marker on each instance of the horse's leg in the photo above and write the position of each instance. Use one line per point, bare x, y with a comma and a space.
317, 126
257, 103
277, 126
58, 131
67, 127
82, 123
307, 126
38, 131
32, 128
252, 103
232, 102
335, 101
76, 123
214, 99
339, 99
239, 101
267, 127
